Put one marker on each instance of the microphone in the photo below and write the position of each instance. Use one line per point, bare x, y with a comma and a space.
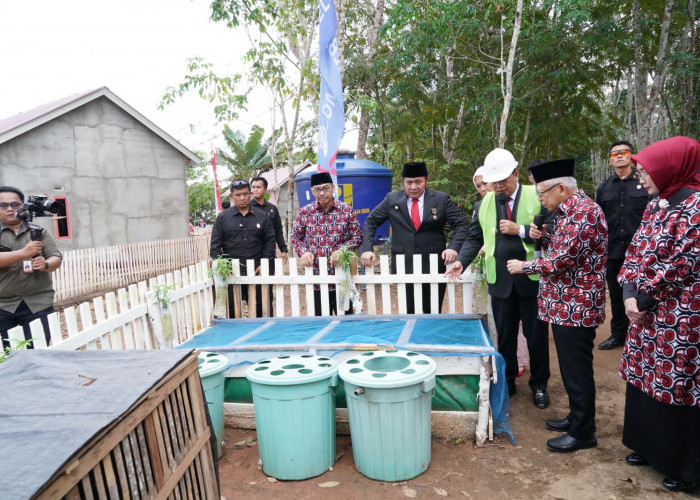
538, 221
501, 212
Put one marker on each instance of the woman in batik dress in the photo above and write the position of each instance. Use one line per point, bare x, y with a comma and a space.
661, 288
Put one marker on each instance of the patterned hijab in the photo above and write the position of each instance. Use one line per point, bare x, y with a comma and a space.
672, 164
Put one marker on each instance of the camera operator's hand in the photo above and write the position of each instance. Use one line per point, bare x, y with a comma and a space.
39, 263
31, 249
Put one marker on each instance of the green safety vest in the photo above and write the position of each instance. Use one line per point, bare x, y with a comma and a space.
528, 206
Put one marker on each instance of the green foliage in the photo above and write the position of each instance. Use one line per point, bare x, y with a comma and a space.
222, 266
345, 257
19, 344
201, 200
163, 294
246, 158
213, 88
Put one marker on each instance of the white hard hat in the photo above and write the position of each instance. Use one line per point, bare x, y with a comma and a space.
498, 165
479, 172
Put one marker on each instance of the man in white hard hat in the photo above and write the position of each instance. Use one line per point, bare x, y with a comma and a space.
502, 226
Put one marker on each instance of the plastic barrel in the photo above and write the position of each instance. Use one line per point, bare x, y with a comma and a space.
294, 414
363, 184
211, 372
388, 395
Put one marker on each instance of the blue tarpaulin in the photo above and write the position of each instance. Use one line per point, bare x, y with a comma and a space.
250, 340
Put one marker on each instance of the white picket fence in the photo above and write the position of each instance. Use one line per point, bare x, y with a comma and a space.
131, 317
97, 270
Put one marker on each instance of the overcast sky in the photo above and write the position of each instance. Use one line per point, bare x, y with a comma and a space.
137, 48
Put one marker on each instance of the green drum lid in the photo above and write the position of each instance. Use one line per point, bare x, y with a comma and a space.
387, 369
211, 363
292, 370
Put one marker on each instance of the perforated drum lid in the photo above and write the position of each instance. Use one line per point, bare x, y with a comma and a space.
290, 370
387, 369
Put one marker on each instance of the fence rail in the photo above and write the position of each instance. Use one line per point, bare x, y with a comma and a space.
97, 270
132, 317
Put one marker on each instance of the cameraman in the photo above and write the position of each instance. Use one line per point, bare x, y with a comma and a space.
26, 289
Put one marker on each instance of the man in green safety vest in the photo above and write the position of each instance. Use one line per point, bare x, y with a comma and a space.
502, 226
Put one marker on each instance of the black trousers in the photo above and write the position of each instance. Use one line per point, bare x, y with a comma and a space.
619, 322
425, 287
575, 352
244, 296
22, 317
507, 314
332, 304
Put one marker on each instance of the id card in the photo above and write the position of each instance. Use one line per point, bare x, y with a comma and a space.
27, 266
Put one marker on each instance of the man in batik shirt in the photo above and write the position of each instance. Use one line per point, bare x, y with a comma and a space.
572, 293
321, 228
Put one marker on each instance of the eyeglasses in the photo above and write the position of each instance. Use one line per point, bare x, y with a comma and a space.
617, 154
240, 183
14, 205
540, 194
324, 189
642, 173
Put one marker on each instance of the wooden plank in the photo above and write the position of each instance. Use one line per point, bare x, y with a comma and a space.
279, 289
309, 289
384, 272
55, 328
294, 289
371, 293
252, 292
401, 287
417, 289
127, 331
86, 322
71, 321
434, 292
322, 273
115, 335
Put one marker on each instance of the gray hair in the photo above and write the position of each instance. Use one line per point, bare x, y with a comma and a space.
569, 182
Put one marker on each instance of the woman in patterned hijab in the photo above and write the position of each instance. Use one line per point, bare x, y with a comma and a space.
661, 288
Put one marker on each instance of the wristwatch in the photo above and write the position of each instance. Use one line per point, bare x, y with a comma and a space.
46, 265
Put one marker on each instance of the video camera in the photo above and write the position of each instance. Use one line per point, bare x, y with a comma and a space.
36, 206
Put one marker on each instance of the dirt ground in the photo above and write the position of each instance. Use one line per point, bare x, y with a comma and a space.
498, 470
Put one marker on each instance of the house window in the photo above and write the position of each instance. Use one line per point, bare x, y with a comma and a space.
62, 220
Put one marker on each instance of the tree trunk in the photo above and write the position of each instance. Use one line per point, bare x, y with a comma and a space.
645, 105
363, 131
508, 90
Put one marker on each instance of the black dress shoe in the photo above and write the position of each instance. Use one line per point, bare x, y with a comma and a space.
540, 398
567, 444
636, 459
611, 343
678, 484
511, 391
559, 425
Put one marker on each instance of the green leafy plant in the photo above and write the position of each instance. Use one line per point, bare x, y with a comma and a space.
163, 294
221, 266
345, 257
21, 344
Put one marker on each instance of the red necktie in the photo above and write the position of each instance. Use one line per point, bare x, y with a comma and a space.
415, 215
508, 211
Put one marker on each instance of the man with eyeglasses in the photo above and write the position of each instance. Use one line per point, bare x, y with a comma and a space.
571, 293
26, 289
321, 228
623, 200
417, 216
243, 232
502, 226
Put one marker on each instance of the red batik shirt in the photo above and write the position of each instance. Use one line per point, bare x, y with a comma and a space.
572, 275
662, 356
323, 232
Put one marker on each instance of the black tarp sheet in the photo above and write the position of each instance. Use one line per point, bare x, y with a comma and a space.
48, 410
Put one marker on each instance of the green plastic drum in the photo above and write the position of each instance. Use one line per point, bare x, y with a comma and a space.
295, 414
388, 395
211, 372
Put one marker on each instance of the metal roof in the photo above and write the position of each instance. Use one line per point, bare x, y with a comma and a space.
17, 125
